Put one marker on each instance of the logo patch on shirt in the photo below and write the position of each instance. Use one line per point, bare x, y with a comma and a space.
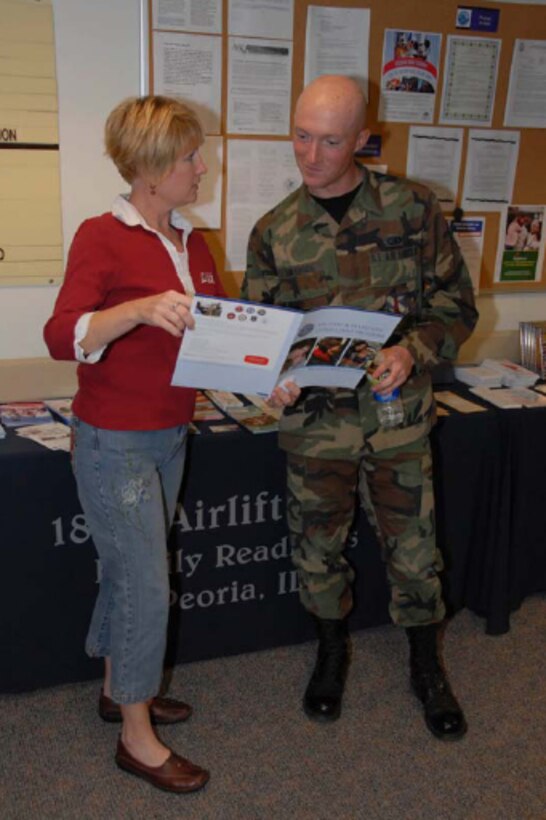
207, 278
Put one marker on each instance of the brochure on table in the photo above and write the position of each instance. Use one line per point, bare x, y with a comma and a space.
245, 347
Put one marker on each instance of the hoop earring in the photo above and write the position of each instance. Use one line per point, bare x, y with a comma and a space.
153, 189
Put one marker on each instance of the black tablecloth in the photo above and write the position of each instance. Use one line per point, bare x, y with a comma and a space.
491, 494
233, 586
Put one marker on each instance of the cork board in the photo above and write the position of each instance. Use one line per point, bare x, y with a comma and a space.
516, 21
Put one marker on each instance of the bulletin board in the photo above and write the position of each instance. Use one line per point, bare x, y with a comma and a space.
516, 21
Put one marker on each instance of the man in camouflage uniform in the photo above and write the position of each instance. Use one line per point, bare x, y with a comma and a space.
352, 237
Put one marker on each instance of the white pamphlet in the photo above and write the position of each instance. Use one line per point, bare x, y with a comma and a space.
434, 158
189, 67
244, 347
337, 41
259, 84
490, 172
525, 102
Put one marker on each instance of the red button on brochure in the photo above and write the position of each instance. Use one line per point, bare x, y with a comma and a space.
256, 360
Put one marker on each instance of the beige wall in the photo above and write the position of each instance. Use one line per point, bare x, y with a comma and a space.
36, 378
98, 64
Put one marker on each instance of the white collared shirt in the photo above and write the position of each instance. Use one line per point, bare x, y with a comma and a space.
126, 212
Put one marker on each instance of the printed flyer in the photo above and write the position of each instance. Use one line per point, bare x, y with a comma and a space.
243, 347
409, 76
521, 244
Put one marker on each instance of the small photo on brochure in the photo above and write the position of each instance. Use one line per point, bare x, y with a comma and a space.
327, 351
359, 354
298, 353
208, 308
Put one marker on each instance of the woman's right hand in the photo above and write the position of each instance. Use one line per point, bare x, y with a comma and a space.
169, 310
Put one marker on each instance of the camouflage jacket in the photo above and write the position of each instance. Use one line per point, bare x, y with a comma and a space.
392, 252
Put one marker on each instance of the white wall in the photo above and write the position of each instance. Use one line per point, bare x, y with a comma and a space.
98, 64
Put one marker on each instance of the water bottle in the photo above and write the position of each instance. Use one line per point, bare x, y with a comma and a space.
390, 410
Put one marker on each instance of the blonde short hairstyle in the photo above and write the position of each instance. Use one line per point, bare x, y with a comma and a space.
147, 134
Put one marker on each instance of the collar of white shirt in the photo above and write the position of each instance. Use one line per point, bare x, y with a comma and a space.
126, 212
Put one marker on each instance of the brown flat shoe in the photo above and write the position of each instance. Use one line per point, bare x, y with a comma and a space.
162, 710
175, 775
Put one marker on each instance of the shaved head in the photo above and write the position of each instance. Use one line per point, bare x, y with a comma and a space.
329, 128
336, 93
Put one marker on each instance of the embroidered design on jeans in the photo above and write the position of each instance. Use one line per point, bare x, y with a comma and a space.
134, 492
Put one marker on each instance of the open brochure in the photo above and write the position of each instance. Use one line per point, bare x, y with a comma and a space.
243, 347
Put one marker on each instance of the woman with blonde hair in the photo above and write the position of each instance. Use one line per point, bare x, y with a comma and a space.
121, 313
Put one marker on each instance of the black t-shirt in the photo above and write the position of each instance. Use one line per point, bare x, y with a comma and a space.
337, 206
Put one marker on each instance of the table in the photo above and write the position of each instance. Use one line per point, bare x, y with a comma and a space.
233, 586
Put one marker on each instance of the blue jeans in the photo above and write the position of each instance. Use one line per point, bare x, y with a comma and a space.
128, 484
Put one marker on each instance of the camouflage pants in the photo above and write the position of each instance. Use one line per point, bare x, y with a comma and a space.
395, 490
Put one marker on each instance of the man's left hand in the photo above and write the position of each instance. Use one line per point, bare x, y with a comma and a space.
393, 369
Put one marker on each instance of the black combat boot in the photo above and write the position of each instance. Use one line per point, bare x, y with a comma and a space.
322, 699
443, 715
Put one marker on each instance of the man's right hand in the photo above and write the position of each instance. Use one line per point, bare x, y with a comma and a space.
284, 395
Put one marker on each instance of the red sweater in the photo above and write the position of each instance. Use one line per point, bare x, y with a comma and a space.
110, 263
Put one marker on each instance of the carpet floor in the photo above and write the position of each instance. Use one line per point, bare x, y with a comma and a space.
269, 762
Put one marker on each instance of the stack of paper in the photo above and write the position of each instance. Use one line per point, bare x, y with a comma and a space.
478, 374
61, 409
508, 398
262, 405
205, 410
496, 373
223, 399
513, 375
253, 419
53, 435
22, 413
